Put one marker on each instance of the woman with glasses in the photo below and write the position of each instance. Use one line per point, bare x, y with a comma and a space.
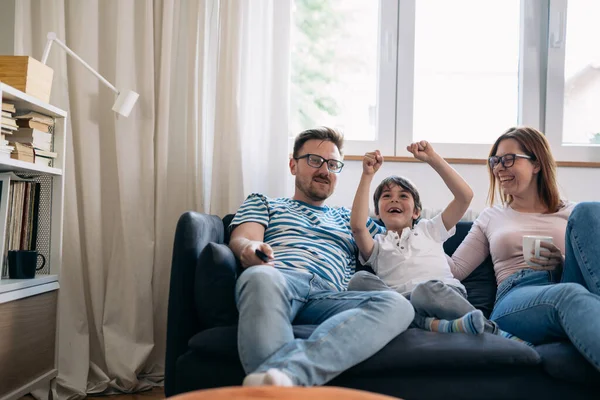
559, 297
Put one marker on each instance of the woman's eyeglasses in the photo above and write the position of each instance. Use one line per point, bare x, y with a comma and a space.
507, 160
316, 161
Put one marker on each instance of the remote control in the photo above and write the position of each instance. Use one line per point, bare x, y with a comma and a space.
261, 255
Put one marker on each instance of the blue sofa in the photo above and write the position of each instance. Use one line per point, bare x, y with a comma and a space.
202, 346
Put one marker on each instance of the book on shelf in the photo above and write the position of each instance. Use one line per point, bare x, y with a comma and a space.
27, 123
8, 107
22, 151
9, 122
44, 153
45, 161
19, 214
8, 128
33, 120
35, 117
38, 139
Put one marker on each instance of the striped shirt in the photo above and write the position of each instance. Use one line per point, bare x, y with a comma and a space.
316, 239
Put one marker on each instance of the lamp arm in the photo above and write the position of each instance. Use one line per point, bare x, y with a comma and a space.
52, 38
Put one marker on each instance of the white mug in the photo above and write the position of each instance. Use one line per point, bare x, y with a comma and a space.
531, 247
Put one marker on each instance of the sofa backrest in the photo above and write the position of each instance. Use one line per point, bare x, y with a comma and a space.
226, 221
480, 284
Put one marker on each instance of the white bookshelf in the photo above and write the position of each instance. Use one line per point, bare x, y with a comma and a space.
29, 307
10, 164
24, 101
11, 285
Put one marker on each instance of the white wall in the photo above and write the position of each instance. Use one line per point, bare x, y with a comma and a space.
577, 184
7, 27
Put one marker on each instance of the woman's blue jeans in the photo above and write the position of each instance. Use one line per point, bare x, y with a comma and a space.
530, 305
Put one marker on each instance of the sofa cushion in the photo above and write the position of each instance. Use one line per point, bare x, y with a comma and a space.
413, 349
561, 360
481, 283
216, 273
481, 287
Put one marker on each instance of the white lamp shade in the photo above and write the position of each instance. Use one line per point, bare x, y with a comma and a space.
125, 102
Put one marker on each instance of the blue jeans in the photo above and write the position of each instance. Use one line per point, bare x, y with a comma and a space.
530, 305
352, 325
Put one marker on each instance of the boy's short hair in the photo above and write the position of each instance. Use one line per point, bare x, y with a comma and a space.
398, 181
321, 133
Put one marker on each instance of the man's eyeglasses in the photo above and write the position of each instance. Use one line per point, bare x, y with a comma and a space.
316, 161
507, 160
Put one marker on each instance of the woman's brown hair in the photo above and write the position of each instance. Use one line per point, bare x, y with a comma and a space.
534, 144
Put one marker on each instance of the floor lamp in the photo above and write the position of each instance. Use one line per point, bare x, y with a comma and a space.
125, 98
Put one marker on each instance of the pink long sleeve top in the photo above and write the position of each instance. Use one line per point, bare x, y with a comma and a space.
499, 231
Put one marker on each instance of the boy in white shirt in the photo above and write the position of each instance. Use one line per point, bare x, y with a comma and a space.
409, 258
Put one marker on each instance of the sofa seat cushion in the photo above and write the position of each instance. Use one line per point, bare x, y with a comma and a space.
561, 360
414, 349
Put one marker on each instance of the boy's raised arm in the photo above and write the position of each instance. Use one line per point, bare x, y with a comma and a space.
360, 207
463, 194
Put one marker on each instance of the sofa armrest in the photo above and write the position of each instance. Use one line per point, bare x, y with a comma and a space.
214, 291
194, 231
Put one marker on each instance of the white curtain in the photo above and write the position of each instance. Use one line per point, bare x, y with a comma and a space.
210, 127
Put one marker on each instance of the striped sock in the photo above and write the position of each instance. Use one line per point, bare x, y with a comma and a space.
512, 337
471, 323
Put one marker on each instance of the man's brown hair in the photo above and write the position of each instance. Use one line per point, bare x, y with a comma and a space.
322, 133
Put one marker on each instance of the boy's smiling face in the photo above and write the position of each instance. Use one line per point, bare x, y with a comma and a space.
397, 208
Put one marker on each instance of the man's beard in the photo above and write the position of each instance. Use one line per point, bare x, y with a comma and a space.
312, 193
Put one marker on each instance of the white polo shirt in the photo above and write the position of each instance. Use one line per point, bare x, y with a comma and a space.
415, 256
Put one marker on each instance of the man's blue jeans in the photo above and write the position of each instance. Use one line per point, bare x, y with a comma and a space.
352, 325
530, 305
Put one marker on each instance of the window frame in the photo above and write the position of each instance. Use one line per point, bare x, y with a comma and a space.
555, 86
387, 56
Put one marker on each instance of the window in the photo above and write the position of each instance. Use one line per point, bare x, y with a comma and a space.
343, 69
466, 80
455, 72
581, 121
573, 101
334, 77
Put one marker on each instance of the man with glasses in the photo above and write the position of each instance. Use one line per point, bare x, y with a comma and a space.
298, 255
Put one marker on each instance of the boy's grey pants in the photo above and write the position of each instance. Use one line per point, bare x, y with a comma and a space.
430, 299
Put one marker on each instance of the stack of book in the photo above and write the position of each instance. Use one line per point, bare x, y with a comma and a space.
35, 129
23, 152
8, 125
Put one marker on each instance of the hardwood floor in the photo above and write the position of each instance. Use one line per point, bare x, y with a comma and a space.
156, 393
